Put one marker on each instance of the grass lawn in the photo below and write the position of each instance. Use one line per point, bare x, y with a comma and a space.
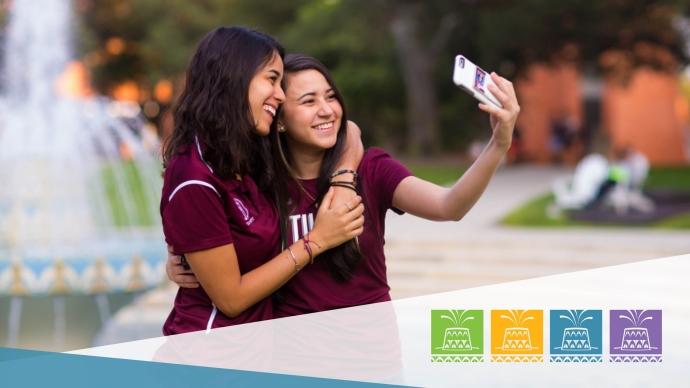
534, 212
442, 174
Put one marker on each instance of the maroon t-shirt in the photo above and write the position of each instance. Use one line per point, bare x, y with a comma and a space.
314, 288
201, 211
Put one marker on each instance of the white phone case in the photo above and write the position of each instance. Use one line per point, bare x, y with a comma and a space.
474, 80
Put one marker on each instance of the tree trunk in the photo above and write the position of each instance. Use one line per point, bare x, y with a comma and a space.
417, 61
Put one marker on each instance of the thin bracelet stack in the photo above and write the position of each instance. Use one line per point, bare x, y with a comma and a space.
306, 241
352, 185
294, 259
307, 248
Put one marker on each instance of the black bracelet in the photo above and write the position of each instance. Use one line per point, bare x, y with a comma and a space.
353, 183
346, 185
344, 171
185, 264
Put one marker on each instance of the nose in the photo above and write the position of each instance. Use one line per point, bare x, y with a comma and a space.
278, 93
325, 108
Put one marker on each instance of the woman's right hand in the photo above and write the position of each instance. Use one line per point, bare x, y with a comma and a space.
336, 224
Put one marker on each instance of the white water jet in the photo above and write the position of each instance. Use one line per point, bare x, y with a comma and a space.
79, 188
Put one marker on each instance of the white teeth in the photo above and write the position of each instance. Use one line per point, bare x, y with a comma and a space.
270, 110
324, 126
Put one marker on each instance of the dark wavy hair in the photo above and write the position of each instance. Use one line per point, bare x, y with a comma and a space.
214, 104
342, 259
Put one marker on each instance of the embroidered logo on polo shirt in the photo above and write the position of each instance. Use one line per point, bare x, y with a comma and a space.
248, 219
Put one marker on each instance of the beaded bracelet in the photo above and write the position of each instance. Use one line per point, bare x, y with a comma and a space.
344, 171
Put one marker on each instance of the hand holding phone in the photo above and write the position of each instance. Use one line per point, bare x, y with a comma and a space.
474, 80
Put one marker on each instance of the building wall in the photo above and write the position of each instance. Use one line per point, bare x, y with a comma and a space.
648, 114
546, 93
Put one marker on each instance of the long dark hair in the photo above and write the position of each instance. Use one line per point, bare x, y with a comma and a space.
343, 259
214, 104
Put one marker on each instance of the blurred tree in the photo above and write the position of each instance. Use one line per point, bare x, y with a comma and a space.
392, 59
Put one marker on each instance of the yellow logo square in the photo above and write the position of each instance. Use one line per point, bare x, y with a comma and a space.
517, 335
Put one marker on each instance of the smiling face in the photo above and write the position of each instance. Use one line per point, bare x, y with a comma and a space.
311, 113
266, 94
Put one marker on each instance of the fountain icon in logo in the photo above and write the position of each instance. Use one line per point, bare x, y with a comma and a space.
517, 335
457, 335
575, 336
635, 336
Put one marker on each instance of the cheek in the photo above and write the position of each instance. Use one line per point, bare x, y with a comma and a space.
337, 109
298, 118
259, 92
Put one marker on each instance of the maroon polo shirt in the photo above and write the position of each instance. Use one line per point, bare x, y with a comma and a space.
314, 288
201, 211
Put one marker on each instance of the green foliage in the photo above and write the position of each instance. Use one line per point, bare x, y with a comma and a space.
353, 38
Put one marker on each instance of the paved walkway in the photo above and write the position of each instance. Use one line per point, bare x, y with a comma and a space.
425, 257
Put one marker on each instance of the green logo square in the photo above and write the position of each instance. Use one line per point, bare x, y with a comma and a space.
457, 335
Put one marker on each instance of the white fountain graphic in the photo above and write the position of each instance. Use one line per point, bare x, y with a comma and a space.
457, 337
79, 188
517, 338
636, 337
576, 337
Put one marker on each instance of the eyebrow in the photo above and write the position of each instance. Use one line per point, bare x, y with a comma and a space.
307, 94
330, 90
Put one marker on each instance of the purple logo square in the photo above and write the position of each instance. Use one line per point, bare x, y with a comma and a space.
635, 335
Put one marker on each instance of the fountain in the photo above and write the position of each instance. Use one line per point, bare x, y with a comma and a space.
79, 184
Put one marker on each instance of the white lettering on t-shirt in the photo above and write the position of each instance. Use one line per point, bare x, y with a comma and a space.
301, 224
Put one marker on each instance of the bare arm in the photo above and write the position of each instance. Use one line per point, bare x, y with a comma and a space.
352, 156
354, 149
430, 201
217, 269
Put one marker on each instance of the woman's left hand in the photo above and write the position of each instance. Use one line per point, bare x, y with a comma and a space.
502, 119
176, 272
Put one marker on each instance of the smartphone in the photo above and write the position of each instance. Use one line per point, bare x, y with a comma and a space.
474, 80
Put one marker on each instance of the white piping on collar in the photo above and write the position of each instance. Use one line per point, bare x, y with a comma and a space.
201, 155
